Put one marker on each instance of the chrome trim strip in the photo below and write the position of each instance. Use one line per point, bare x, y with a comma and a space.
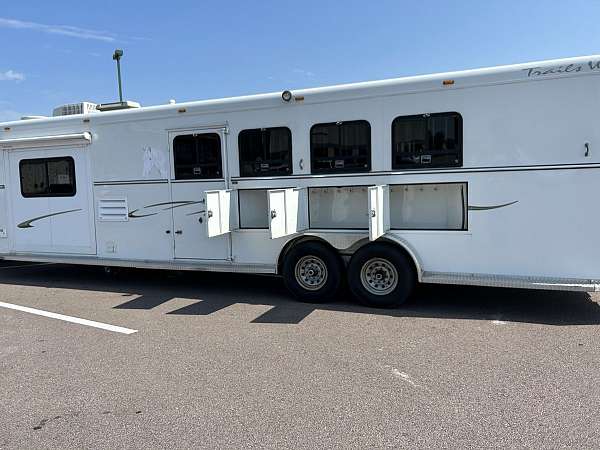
116, 183
176, 264
512, 281
427, 172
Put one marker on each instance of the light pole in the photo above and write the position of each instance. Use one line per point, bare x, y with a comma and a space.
117, 57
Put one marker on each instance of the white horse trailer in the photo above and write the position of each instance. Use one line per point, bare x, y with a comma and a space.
484, 177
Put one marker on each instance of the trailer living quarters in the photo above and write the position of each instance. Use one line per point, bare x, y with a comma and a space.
482, 177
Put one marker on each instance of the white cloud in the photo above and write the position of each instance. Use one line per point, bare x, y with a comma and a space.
306, 73
63, 30
11, 75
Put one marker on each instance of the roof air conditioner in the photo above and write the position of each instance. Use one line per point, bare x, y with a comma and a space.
75, 108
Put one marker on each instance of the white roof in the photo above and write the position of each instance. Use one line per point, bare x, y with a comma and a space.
579, 66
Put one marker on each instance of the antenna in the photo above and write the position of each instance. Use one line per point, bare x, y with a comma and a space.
114, 106
117, 57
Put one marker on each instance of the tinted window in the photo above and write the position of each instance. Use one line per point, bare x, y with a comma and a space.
427, 140
265, 151
47, 177
197, 156
341, 147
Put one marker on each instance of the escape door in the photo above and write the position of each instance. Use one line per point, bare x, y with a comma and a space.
198, 166
50, 194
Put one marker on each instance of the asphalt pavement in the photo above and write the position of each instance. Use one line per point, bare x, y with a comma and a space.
231, 361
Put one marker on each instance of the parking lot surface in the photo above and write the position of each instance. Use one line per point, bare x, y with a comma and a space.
226, 361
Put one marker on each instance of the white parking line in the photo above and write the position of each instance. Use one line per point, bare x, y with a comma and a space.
89, 323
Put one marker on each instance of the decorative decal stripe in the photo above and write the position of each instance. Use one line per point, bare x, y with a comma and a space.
27, 223
170, 206
132, 214
196, 212
486, 208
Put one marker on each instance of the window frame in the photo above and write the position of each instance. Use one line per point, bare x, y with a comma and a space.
193, 178
428, 116
49, 194
340, 123
266, 173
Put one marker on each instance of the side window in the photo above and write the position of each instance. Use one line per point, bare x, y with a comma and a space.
427, 140
47, 177
197, 156
340, 147
265, 151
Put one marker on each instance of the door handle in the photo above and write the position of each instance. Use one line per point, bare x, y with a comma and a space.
179, 232
273, 214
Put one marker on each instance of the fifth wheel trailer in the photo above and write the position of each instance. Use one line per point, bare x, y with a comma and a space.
483, 177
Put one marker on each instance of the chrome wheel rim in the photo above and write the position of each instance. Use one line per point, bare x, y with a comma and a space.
311, 273
379, 276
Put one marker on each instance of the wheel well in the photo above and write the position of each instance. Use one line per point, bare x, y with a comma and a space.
299, 240
392, 242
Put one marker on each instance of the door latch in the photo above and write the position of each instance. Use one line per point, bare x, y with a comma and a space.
273, 214
179, 232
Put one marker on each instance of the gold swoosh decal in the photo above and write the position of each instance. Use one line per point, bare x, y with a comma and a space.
27, 223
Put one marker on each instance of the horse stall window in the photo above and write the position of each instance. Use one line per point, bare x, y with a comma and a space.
427, 140
339, 147
265, 151
343, 207
197, 156
47, 177
429, 206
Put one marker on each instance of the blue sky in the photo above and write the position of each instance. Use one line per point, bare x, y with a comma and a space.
58, 52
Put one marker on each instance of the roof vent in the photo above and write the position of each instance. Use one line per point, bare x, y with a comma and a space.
115, 106
75, 108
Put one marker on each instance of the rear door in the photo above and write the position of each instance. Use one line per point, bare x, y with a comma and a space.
50, 194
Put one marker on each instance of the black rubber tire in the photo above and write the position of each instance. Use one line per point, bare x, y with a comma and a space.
332, 262
403, 265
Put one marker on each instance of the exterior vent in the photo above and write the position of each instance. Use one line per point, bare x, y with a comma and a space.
113, 210
75, 108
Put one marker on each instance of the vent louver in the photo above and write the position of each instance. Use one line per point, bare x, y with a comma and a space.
113, 210
75, 108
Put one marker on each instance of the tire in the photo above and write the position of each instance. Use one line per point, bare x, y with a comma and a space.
381, 276
312, 272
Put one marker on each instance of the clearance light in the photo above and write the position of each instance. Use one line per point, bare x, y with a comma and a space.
448, 82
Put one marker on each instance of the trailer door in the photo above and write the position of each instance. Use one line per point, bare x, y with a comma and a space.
50, 196
199, 165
